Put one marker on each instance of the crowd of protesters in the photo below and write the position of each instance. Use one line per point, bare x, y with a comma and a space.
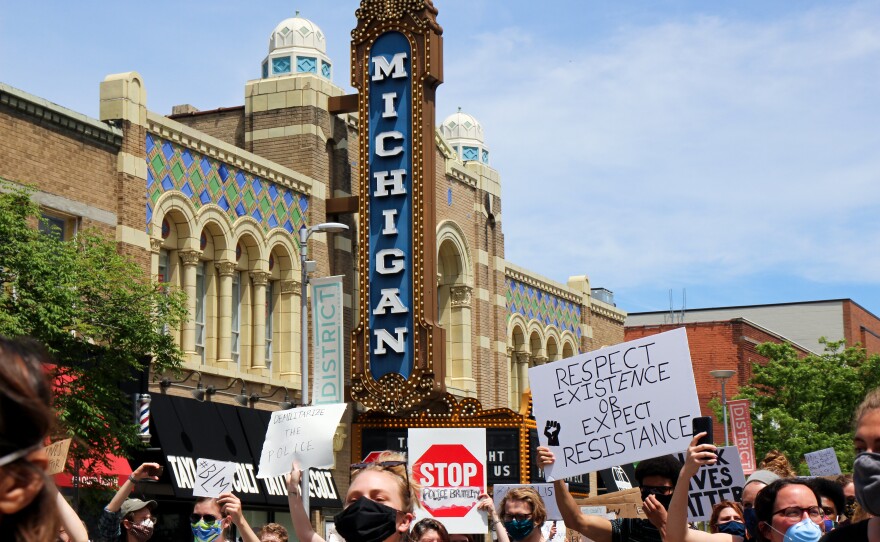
380, 505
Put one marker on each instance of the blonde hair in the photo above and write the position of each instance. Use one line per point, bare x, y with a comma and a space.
527, 495
870, 402
409, 489
777, 463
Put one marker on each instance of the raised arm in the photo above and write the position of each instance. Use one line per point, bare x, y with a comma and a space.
231, 505
676, 526
495, 522
71, 522
301, 524
593, 527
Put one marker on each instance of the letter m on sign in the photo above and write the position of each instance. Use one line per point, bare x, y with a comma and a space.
384, 68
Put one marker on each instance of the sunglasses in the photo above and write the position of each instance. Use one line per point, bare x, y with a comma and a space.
208, 518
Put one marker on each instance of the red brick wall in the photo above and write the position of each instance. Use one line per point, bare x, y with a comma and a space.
860, 326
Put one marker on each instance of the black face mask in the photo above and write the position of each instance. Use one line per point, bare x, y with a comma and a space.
662, 499
366, 521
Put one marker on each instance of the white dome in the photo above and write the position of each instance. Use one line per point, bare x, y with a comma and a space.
297, 32
465, 134
297, 46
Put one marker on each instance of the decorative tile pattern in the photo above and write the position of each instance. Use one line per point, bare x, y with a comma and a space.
281, 65
307, 64
543, 307
485, 157
206, 180
470, 153
325, 69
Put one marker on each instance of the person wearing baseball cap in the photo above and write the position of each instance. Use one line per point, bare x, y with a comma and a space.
129, 520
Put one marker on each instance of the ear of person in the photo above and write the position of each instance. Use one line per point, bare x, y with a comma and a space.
16, 492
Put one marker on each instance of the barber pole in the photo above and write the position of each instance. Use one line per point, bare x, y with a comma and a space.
144, 417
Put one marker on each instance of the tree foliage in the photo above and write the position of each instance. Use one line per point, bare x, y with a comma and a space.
803, 404
96, 311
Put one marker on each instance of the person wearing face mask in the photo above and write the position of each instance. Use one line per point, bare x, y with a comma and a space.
849, 498
522, 514
727, 517
866, 473
114, 524
787, 510
378, 506
212, 520
656, 478
756, 481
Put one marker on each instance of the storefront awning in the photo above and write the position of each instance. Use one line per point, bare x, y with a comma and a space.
114, 474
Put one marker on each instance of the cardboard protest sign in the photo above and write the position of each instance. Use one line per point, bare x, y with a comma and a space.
302, 434
450, 467
616, 405
57, 452
823, 462
544, 490
723, 481
622, 504
213, 477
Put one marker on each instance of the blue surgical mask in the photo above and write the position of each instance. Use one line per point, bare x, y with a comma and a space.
206, 532
735, 528
518, 529
805, 530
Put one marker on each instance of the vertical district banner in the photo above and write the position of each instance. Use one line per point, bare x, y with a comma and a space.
329, 373
741, 423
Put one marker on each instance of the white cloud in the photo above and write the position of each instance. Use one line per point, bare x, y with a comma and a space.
699, 150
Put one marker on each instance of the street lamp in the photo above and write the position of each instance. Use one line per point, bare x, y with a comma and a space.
307, 267
723, 375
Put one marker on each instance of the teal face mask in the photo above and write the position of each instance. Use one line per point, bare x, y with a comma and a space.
206, 532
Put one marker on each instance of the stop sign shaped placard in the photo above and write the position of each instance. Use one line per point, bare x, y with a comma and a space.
452, 480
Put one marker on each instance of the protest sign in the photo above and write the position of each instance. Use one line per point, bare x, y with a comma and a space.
621, 504
544, 490
616, 405
329, 373
723, 481
823, 462
213, 477
553, 530
450, 467
304, 435
741, 422
57, 452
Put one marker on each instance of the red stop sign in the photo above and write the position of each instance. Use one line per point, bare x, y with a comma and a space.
451, 479
371, 457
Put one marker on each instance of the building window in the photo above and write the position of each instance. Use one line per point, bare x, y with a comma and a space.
281, 65
200, 311
307, 64
270, 306
236, 317
61, 227
325, 69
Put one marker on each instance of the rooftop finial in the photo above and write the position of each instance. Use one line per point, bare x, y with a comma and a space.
459, 109
297, 13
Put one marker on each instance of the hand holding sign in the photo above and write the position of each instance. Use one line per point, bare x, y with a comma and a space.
552, 433
213, 477
303, 434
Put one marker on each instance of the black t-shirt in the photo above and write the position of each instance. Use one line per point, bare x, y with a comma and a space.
854, 532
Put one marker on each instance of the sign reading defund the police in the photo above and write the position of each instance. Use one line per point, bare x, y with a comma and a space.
723, 481
616, 405
391, 301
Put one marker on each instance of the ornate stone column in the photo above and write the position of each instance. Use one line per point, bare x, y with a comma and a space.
225, 272
512, 378
461, 356
522, 365
190, 259
289, 354
258, 359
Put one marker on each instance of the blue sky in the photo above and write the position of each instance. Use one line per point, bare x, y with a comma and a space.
728, 148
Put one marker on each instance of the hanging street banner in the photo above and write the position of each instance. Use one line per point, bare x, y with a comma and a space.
723, 481
329, 375
616, 405
450, 466
741, 424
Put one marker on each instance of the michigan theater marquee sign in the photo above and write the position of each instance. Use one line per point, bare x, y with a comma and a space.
397, 346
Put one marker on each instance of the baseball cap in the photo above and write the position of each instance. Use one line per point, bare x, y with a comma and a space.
133, 505
762, 476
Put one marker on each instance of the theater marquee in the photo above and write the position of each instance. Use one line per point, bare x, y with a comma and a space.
397, 346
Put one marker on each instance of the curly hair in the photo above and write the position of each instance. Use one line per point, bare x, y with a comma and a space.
26, 418
273, 529
777, 463
393, 463
665, 466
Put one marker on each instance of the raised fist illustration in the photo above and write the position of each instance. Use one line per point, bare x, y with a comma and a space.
551, 431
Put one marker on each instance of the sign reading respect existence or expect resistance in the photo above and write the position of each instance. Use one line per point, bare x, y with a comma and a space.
616, 405
723, 481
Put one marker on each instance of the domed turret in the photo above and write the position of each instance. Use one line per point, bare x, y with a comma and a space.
297, 45
465, 134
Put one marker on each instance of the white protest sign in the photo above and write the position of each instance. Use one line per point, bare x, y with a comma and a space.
57, 452
302, 434
450, 467
544, 490
615, 405
213, 477
823, 462
329, 373
723, 481
558, 533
